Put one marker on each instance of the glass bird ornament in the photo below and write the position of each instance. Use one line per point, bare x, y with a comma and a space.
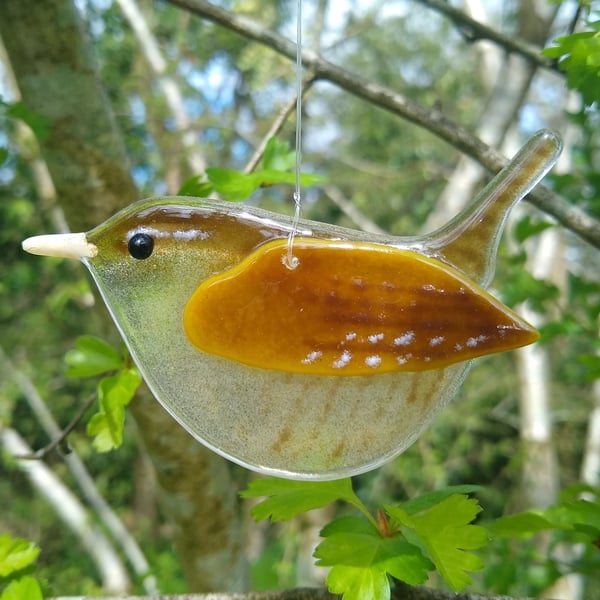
316, 372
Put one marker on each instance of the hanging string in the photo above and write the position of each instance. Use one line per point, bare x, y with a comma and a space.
291, 260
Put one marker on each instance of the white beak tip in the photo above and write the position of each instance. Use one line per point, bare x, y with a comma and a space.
62, 245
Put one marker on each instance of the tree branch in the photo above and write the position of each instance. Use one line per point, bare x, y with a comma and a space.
400, 592
277, 125
474, 31
431, 119
110, 520
71, 511
61, 437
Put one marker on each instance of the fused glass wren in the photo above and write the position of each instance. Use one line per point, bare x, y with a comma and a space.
318, 372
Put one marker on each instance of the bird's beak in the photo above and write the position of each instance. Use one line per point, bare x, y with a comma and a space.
63, 245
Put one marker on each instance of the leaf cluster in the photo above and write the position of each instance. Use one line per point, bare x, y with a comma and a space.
405, 541
90, 357
570, 530
277, 162
16, 558
579, 57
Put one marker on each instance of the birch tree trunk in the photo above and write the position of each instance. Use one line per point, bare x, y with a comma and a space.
508, 77
71, 512
187, 135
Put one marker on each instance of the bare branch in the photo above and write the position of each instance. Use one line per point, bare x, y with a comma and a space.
351, 210
72, 513
277, 125
400, 592
62, 435
474, 30
431, 119
120, 534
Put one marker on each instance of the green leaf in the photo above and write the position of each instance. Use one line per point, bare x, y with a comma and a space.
430, 499
361, 559
580, 515
358, 583
579, 58
269, 177
3, 155
354, 542
15, 554
92, 356
114, 393
232, 185
521, 525
523, 286
39, 124
196, 186
25, 588
278, 156
287, 498
591, 362
445, 532
528, 227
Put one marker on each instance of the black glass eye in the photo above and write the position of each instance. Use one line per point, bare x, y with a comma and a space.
140, 246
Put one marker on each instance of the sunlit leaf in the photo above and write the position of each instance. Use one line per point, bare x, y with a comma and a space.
15, 554
430, 499
278, 156
196, 186
362, 559
287, 498
579, 57
92, 356
445, 532
521, 525
25, 588
232, 185
354, 542
114, 393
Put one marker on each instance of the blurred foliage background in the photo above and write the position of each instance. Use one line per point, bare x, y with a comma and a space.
395, 176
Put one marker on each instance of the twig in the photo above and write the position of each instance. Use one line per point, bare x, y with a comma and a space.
43, 452
475, 30
400, 592
71, 512
81, 476
430, 119
351, 210
277, 125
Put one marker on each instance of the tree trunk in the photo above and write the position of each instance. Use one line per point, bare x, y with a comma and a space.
56, 73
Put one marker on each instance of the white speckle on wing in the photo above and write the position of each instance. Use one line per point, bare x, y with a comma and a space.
427, 358
472, 342
373, 361
458, 347
436, 341
376, 337
428, 287
311, 357
350, 336
343, 360
502, 329
405, 339
402, 360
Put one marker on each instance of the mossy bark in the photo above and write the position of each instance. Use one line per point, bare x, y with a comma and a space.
56, 71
